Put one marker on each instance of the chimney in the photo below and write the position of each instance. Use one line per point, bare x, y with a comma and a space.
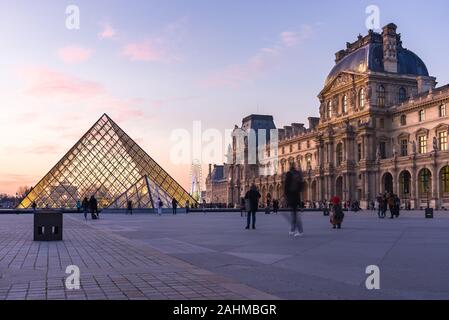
313, 122
390, 42
425, 84
210, 169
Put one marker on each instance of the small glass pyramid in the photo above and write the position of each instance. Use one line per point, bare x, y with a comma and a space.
105, 163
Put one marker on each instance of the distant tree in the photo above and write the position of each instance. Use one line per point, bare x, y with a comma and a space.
23, 191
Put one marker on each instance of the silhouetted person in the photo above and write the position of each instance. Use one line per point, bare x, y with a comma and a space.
292, 189
275, 206
187, 206
174, 204
160, 204
93, 205
129, 207
242, 206
34, 206
253, 197
85, 205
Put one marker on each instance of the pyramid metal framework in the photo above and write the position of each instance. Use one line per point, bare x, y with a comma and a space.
144, 194
106, 163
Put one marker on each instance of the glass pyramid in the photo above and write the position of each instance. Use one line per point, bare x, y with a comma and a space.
106, 163
144, 194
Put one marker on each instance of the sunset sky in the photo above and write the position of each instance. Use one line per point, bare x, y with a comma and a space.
157, 66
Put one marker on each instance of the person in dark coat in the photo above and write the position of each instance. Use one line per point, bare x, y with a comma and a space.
253, 196
129, 208
93, 205
85, 205
174, 203
292, 190
275, 206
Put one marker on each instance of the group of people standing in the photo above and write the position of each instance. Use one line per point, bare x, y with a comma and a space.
89, 206
159, 204
386, 201
292, 191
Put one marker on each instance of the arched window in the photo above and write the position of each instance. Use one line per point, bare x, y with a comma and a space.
362, 98
424, 181
339, 154
381, 96
403, 120
445, 179
329, 109
404, 181
421, 115
344, 103
442, 110
402, 95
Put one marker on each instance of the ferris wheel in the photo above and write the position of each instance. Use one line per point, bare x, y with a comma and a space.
195, 180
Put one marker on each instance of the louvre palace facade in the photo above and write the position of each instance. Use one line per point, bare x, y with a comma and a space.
383, 126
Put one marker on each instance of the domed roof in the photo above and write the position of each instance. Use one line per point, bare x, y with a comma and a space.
370, 58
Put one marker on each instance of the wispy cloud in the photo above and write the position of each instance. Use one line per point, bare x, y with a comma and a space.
74, 54
147, 50
159, 47
43, 81
263, 60
107, 32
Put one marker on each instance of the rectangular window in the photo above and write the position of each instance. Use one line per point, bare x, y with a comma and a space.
421, 115
404, 147
443, 110
422, 141
283, 150
382, 123
299, 145
308, 144
442, 140
291, 148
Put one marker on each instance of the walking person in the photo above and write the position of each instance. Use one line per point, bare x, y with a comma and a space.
275, 206
93, 205
129, 207
174, 203
160, 204
292, 189
379, 203
78, 206
85, 205
337, 216
253, 197
242, 206
34, 206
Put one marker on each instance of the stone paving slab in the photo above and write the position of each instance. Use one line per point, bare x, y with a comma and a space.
411, 252
111, 266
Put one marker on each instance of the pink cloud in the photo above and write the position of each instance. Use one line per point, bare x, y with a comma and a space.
47, 82
74, 54
256, 66
107, 32
147, 50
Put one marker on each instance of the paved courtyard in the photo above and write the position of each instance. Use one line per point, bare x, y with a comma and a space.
211, 256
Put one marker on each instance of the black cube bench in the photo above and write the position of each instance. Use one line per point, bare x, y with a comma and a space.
48, 226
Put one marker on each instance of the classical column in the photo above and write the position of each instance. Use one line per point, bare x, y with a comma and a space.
435, 186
